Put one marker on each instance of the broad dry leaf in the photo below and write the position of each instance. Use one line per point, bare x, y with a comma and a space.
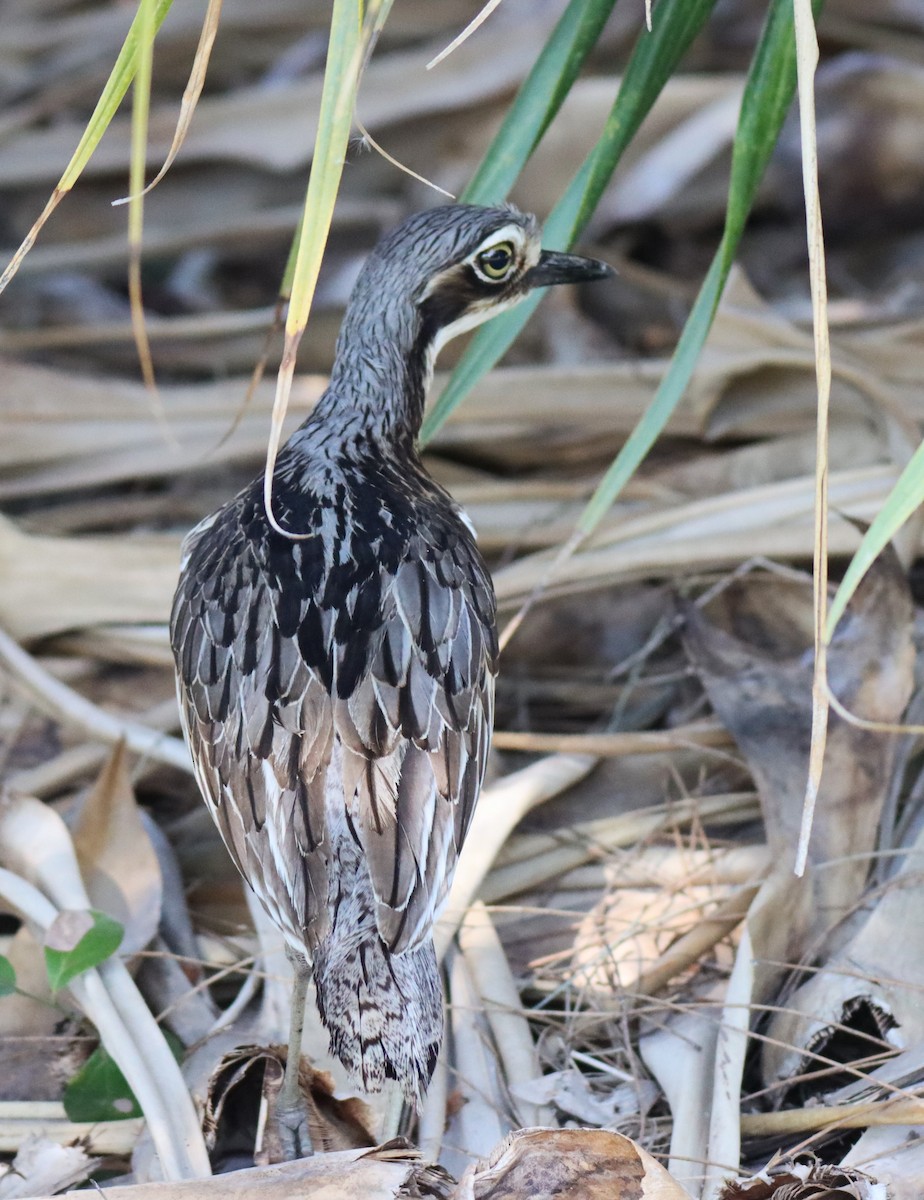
385, 1173
572, 1164
751, 654
273, 128
117, 861
49, 585
873, 982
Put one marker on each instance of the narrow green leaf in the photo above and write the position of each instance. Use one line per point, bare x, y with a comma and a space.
99, 1092
538, 100
334, 120
143, 27
768, 94
666, 399
76, 941
655, 56
7, 977
903, 501
141, 104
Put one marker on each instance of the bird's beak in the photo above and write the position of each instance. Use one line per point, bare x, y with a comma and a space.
553, 267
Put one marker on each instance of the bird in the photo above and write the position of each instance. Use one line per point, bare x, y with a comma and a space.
336, 665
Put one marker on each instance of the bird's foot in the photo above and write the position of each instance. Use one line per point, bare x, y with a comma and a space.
285, 1133
292, 1134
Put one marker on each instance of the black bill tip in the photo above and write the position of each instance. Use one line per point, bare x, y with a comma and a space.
553, 267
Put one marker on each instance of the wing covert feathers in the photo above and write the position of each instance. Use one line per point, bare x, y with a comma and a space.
285, 647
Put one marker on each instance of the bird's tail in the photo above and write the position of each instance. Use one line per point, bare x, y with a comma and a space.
383, 1011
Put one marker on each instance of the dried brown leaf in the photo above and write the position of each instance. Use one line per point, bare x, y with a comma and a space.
589, 1164
117, 861
803, 1178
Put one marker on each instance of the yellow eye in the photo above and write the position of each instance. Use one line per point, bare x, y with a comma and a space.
497, 262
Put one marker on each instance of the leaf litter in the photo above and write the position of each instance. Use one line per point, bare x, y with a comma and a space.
626, 946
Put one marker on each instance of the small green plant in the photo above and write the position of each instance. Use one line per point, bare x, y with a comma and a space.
7, 977
77, 941
99, 1091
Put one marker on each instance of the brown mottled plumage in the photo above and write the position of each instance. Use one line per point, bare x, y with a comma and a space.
337, 685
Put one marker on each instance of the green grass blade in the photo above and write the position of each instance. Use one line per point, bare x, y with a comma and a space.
903, 501
350, 43
141, 107
143, 27
653, 60
767, 98
334, 122
538, 100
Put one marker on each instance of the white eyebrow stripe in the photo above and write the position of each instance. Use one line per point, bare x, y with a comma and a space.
507, 233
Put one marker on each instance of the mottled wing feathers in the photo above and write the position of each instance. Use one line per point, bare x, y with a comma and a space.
416, 729
261, 763
283, 647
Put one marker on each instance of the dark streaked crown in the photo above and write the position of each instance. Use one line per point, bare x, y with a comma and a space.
461, 264
439, 273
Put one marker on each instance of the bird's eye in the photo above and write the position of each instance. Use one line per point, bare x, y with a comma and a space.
495, 263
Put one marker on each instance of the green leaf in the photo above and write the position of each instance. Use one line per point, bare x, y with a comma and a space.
338, 95
767, 97
7, 977
142, 31
99, 1091
538, 100
903, 501
143, 27
76, 941
655, 56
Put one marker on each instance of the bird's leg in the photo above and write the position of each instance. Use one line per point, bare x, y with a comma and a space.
393, 1114
291, 1107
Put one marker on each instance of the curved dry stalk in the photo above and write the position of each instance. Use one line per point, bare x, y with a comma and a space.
191, 93
466, 33
37, 842
367, 137
91, 995
493, 980
806, 64
64, 702
499, 810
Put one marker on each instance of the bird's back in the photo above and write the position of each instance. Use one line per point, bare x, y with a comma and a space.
337, 692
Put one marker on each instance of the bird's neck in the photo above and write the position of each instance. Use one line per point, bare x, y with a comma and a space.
380, 378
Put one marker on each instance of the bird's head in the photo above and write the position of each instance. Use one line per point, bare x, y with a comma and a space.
461, 264
439, 273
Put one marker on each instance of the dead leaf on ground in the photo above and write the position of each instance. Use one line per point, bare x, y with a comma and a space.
573, 1164
804, 1178
117, 861
751, 653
